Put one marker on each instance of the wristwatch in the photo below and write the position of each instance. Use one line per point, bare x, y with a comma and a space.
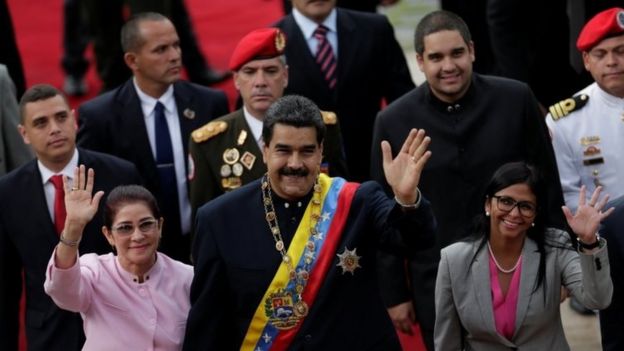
589, 246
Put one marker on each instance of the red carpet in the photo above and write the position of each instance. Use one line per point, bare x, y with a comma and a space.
219, 24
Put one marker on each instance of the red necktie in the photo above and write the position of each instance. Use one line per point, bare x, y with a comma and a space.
59, 203
325, 56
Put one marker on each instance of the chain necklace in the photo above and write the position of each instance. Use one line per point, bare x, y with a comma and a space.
300, 278
507, 271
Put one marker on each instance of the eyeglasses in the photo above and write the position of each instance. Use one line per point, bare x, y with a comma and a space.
507, 204
146, 226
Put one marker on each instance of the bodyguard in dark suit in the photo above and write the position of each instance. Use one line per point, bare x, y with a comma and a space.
288, 261
370, 67
28, 231
227, 152
148, 121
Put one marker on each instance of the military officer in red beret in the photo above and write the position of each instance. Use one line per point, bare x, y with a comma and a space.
588, 138
226, 153
588, 128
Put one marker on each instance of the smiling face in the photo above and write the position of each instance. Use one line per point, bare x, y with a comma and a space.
605, 62
510, 225
293, 158
135, 234
260, 83
157, 63
446, 62
49, 127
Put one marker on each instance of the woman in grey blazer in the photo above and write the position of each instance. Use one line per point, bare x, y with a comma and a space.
500, 290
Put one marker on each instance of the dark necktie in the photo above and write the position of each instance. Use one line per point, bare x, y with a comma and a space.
164, 160
325, 56
59, 203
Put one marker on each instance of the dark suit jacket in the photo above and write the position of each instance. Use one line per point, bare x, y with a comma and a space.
114, 123
612, 318
27, 239
371, 68
235, 261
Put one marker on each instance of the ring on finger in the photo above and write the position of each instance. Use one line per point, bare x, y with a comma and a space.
74, 189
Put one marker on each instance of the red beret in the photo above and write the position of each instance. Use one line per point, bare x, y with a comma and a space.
259, 44
604, 24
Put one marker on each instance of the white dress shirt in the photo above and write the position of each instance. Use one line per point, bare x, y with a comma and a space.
148, 104
48, 187
308, 27
256, 127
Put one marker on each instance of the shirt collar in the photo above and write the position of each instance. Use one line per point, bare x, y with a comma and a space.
255, 125
611, 100
68, 171
456, 106
308, 26
148, 103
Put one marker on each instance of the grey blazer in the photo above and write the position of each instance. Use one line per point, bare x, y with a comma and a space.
463, 298
13, 151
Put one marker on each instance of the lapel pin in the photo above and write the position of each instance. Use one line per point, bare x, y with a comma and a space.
188, 113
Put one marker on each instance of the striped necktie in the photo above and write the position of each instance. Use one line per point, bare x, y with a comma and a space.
325, 56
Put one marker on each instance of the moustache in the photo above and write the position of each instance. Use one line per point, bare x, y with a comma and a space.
297, 172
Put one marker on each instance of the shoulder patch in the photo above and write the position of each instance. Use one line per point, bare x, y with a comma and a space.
567, 106
329, 117
209, 130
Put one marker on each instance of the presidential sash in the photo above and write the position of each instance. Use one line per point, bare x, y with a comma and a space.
275, 322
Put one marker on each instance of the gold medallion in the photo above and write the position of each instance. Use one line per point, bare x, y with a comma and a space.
231, 156
279, 309
301, 309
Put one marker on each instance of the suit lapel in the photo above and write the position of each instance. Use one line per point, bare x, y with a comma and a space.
133, 123
34, 190
347, 46
185, 106
530, 266
299, 57
482, 287
483, 291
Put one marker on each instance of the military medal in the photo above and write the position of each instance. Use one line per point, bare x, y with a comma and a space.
285, 308
226, 171
349, 261
248, 160
237, 169
230, 156
241, 137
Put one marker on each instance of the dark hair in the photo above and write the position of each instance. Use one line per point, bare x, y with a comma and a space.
125, 195
296, 111
38, 92
505, 176
131, 39
438, 21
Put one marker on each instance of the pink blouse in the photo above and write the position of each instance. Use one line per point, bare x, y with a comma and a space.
505, 306
118, 312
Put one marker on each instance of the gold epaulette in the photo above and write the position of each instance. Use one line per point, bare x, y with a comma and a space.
209, 130
567, 106
329, 117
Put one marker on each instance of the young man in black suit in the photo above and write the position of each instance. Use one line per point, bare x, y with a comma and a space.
148, 121
369, 68
29, 219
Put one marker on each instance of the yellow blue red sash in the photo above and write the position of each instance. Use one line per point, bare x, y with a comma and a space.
336, 197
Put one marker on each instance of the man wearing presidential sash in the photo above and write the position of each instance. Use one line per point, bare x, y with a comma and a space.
288, 261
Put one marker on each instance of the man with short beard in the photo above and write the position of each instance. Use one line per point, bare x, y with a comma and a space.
476, 124
226, 153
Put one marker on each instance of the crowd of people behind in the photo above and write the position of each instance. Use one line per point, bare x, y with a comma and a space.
335, 207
